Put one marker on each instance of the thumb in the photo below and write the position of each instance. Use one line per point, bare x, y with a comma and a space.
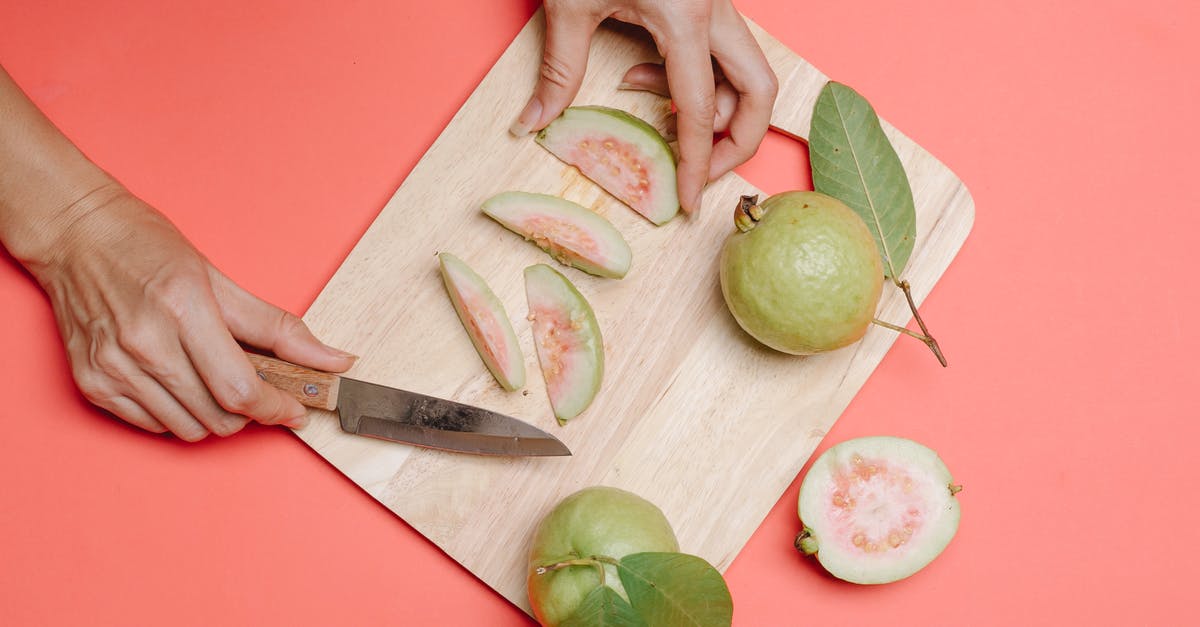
564, 62
259, 323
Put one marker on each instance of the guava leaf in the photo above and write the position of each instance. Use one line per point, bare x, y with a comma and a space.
853, 161
603, 607
676, 589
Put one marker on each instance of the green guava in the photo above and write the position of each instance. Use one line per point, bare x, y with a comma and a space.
802, 274
596, 521
877, 509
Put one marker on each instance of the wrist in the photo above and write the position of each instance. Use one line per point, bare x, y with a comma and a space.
37, 213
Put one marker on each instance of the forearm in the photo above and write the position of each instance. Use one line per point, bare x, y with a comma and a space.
46, 183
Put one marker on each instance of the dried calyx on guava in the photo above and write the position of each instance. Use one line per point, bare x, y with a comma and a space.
605, 556
570, 349
572, 234
486, 322
801, 273
621, 153
877, 509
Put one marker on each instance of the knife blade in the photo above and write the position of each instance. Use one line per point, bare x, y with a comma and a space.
378, 411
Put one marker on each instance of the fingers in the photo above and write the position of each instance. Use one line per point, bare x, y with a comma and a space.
259, 323
564, 63
652, 77
109, 378
746, 69
228, 375
689, 71
130, 411
162, 363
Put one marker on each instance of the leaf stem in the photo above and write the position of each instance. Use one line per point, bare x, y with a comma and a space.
924, 335
597, 561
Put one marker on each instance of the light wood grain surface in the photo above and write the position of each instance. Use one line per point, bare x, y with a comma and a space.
693, 414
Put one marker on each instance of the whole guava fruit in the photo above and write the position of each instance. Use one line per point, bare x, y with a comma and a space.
596, 521
802, 274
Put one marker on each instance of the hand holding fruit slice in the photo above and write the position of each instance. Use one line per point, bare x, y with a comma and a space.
620, 152
877, 509
574, 235
485, 320
569, 347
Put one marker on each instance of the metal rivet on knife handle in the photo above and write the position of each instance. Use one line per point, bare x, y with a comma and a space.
312, 388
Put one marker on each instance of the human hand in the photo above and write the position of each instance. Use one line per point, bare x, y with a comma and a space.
690, 35
151, 327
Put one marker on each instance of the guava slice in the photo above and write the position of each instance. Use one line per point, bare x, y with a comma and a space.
485, 320
877, 509
567, 336
574, 235
620, 152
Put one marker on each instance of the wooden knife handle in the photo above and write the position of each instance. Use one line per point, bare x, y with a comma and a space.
312, 388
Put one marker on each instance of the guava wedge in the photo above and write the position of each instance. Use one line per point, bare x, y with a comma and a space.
594, 521
621, 153
573, 235
877, 509
486, 322
567, 336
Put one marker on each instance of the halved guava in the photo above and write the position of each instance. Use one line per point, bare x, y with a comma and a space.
574, 235
485, 320
567, 336
877, 509
620, 152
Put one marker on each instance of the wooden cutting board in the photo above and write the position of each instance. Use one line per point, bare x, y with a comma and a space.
693, 414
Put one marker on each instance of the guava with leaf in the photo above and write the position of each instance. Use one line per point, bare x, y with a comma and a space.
605, 556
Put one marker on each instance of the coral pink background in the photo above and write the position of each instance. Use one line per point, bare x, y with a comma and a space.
273, 131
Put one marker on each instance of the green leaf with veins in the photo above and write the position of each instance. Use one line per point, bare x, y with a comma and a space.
676, 589
603, 607
853, 161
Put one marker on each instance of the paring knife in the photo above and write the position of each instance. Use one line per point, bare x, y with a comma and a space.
400, 416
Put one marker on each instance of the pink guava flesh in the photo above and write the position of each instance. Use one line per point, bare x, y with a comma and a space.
620, 152
485, 321
877, 509
571, 233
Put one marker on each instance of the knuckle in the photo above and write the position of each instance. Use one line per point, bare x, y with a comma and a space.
767, 84
174, 289
555, 71
237, 395
107, 358
290, 324
139, 341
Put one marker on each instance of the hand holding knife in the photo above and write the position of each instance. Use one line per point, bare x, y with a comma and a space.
378, 411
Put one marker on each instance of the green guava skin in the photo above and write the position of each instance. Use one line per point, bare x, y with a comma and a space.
597, 521
807, 278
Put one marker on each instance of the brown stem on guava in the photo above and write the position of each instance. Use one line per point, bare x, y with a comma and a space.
597, 561
955, 489
924, 335
747, 213
805, 542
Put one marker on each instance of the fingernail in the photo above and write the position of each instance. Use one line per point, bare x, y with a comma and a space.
340, 354
297, 423
527, 119
696, 202
627, 86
